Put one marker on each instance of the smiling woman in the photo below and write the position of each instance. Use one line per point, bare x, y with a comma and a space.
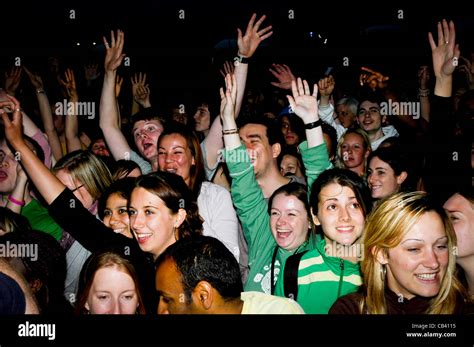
409, 265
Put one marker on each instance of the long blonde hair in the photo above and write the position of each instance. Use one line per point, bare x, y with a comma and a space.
385, 229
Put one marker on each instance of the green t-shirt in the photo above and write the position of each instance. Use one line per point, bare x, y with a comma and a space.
40, 219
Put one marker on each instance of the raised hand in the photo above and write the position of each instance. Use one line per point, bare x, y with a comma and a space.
228, 98
13, 128
35, 79
12, 80
114, 55
228, 69
302, 102
69, 85
326, 86
284, 75
91, 71
372, 78
446, 53
253, 36
140, 90
118, 85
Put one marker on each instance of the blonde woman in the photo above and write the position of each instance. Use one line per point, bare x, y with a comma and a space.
409, 264
353, 149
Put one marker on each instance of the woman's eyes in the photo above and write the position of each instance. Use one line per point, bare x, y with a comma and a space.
148, 212
355, 205
122, 211
331, 207
102, 297
107, 213
132, 212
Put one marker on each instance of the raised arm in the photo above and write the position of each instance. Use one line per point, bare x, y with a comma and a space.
46, 183
284, 76
12, 80
445, 57
46, 114
247, 44
71, 128
313, 151
109, 116
305, 106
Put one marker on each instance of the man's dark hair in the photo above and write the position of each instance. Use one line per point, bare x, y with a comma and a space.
274, 133
204, 258
148, 113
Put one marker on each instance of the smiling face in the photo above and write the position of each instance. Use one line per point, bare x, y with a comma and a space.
369, 117
382, 179
152, 222
339, 214
146, 134
261, 153
289, 221
8, 169
113, 291
461, 213
116, 215
175, 156
418, 264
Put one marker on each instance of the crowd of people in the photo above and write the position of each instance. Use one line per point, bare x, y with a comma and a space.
321, 201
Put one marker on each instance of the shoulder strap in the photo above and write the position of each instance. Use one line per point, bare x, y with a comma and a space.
291, 275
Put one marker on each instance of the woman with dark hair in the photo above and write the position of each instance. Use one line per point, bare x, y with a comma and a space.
162, 211
340, 202
109, 285
179, 152
389, 172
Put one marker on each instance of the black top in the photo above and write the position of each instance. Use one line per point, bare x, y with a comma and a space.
93, 235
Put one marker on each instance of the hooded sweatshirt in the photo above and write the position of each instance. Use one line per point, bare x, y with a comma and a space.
322, 279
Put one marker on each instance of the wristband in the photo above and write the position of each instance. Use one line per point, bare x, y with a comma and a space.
423, 92
243, 60
312, 125
230, 131
15, 201
40, 91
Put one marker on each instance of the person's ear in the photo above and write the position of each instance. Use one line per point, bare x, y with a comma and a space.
180, 217
380, 255
367, 153
402, 177
276, 150
384, 120
36, 285
204, 295
86, 306
315, 218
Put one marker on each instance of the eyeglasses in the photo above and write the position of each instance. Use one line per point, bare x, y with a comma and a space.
77, 188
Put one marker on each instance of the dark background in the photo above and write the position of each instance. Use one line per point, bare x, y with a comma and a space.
181, 57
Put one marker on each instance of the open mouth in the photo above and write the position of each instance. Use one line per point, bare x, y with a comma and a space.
345, 229
427, 277
3, 176
142, 238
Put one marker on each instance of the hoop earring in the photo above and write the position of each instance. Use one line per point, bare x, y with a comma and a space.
176, 234
383, 272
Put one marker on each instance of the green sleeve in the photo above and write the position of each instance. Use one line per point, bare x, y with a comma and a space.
248, 199
315, 160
